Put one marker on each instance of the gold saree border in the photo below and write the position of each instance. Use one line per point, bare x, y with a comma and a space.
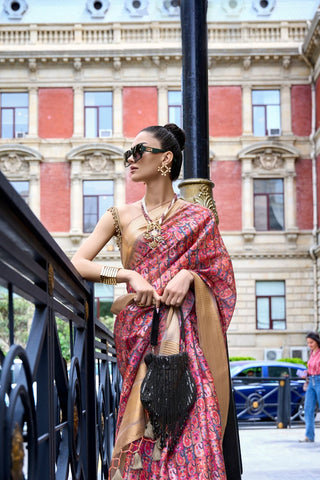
212, 343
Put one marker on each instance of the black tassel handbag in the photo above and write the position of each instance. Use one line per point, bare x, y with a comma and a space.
168, 390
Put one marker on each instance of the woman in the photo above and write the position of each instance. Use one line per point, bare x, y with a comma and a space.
172, 256
313, 391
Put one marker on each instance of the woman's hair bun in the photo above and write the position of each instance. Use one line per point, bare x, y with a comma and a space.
177, 132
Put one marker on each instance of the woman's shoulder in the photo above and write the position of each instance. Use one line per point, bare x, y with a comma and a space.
127, 212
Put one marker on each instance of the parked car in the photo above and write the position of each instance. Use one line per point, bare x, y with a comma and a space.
256, 386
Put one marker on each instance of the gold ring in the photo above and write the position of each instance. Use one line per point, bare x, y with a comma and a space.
141, 304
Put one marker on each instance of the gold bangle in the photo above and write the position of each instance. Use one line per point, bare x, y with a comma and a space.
108, 275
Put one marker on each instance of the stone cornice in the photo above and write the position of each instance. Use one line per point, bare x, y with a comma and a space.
78, 60
133, 42
311, 44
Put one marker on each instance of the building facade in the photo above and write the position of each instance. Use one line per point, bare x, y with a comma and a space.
78, 81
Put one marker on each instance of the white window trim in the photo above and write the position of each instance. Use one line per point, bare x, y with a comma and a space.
268, 160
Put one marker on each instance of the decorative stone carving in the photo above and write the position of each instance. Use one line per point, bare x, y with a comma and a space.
171, 7
156, 60
13, 163
98, 162
117, 63
32, 64
247, 63
268, 160
232, 7
77, 64
15, 10
97, 9
137, 9
286, 62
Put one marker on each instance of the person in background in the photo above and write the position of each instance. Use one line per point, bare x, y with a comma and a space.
313, 390
173, 258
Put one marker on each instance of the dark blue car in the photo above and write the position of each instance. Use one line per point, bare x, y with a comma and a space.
256, 388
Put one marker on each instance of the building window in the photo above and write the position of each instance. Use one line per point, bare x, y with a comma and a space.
270, 305
97, 198
103, 299
22, 188
98, 114
268, 204
266, 112
14, 115
174, 107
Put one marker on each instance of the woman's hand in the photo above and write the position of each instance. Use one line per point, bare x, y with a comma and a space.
146, 295
176, 290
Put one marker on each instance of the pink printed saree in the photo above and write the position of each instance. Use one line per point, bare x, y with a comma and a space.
191, 241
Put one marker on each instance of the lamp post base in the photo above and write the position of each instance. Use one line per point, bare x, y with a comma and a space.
199, 190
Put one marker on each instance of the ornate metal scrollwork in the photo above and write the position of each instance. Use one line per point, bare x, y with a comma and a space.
17, 411
75, 420
106, 426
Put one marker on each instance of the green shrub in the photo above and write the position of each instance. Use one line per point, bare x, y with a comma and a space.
236, 359
293, 360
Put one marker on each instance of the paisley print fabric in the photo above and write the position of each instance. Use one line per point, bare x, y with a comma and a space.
191, 241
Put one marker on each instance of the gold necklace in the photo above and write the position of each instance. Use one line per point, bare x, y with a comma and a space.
153, 233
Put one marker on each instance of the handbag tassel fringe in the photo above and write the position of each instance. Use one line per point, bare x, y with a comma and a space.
156, 454
137, 463
117, 475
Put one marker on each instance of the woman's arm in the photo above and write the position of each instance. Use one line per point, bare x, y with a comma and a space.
83, 262
83, 258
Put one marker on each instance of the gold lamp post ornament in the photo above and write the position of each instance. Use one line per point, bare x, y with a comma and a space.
199, 190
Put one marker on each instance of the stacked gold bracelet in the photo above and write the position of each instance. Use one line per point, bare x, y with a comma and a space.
108, 275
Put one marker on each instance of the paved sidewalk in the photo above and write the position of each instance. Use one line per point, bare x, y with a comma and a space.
269, 453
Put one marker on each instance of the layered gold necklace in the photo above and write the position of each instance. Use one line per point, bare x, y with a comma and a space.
153, 233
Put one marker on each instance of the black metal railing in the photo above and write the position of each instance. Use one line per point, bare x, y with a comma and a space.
59, 386
276, 399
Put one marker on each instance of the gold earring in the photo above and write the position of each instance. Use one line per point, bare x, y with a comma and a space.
164, 169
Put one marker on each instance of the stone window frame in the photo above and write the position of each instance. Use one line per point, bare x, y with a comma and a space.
269, 160
21, 163
271, 296
93, 161
97, 108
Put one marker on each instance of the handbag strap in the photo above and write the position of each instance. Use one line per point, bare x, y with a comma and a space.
155, 327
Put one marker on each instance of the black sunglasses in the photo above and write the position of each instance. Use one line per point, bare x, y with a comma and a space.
137, 151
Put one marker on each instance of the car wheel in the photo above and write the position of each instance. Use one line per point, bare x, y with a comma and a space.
300, 412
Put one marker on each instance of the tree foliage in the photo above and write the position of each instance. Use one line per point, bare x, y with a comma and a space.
23, 314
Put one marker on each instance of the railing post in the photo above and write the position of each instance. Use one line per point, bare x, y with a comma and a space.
284, 404
91, 406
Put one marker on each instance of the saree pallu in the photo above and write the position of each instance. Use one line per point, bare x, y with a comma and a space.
191, 241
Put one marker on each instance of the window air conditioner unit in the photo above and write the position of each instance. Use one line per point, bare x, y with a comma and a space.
20, 134
105, 133
274, 132
299, 352
272, 353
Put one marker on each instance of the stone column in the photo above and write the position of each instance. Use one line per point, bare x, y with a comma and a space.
162, 105
286, 128
78, 112
290, 201
34, 187
117, 112
76, 198
247, 200
246, 110
33, 112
